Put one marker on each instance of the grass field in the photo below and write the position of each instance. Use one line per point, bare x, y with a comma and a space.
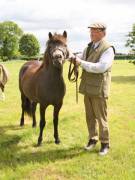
20, 159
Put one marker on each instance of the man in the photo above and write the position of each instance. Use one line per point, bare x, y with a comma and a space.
96, 63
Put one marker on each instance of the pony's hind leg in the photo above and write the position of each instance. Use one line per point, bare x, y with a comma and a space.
26, 108
34, 104
22, 115
55, 122
22, 118
42, 123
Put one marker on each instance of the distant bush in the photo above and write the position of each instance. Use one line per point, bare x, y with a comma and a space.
29, 45
23, 57
125, 57
5, 58
10, 34
29, 58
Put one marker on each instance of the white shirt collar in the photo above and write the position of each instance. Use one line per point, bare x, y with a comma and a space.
96, 44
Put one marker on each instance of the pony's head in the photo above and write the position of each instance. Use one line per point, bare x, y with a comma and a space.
56, 50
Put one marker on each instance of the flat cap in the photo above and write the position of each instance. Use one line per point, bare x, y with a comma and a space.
98, 25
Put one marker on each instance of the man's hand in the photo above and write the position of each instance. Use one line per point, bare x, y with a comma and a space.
72, 57
78, 60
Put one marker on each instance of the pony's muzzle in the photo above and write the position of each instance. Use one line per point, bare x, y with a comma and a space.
58, 56
58, 62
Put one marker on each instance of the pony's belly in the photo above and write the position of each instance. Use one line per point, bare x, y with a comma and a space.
50, 97
30, 95
29, 90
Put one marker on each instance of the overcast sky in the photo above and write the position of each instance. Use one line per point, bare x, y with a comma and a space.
42, 16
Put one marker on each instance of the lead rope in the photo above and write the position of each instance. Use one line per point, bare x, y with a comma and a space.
73, 71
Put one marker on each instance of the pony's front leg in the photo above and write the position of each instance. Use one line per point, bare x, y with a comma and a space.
42, 123
55, 122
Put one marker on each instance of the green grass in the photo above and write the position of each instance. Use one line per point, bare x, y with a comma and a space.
20, 159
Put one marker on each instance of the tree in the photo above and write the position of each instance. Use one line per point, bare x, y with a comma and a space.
29, 45
131, 40
10, 34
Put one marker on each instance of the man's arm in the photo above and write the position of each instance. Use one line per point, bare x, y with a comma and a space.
104, 63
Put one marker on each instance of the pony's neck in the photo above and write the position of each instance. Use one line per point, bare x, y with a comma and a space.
54, 70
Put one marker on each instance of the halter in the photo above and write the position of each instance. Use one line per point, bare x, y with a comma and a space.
65, 54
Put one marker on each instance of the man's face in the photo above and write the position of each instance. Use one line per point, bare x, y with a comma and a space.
96, 34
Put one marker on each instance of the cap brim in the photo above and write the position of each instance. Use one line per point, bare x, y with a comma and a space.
95, 27
91, 27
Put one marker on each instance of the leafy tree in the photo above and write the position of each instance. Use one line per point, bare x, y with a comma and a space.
29, 45
10, 34
131, 40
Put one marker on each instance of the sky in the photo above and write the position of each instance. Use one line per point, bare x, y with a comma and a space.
40, 17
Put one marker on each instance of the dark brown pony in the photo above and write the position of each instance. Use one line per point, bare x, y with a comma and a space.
43, 83
3, 77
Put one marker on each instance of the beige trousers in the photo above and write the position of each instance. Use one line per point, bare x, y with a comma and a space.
96, 115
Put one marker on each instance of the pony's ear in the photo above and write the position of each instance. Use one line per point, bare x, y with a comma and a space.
50, 35
65, 34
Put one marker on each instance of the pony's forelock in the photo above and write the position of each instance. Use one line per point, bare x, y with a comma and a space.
57, 38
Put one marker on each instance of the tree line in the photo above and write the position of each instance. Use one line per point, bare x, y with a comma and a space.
14, 42
131, 40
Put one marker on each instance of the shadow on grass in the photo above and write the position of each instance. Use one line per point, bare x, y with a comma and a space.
3, 129
13, 155
123, 79
8, 140
15, 159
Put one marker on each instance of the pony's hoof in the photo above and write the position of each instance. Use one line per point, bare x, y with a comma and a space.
21, 124
39, 144
34, 125
57, 141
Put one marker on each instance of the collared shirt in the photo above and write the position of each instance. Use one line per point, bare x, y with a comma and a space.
95, 45
102, 65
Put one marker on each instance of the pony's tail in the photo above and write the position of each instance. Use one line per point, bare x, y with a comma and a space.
27, 106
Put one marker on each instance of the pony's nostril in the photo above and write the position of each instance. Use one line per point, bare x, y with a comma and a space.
58, 56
